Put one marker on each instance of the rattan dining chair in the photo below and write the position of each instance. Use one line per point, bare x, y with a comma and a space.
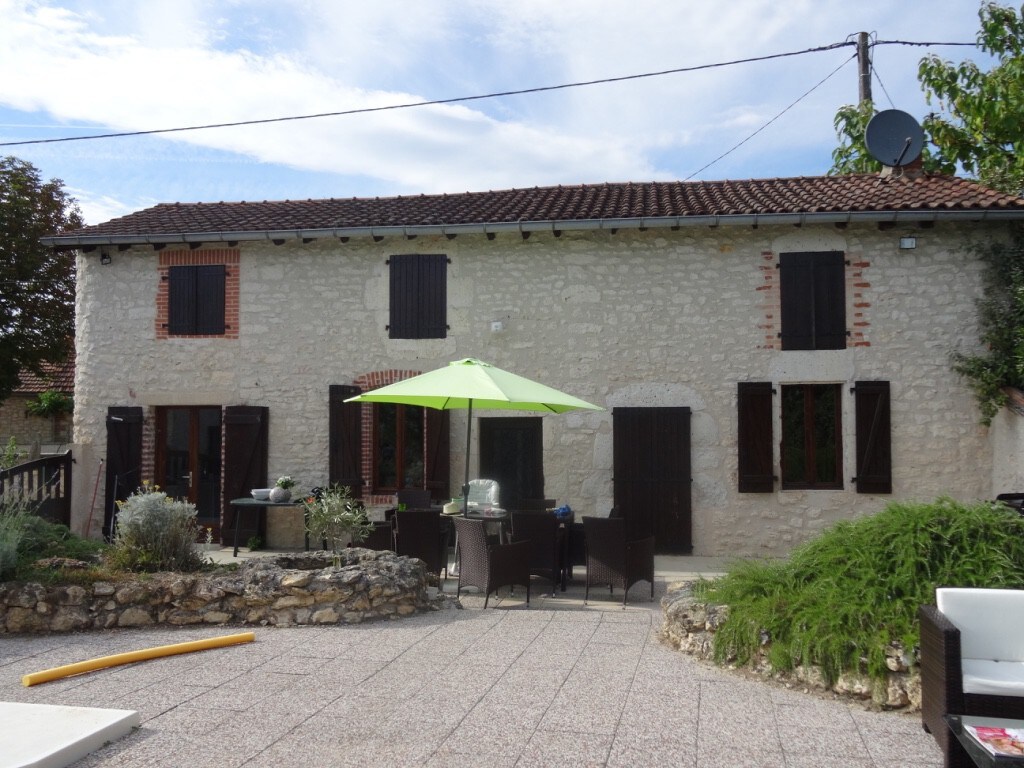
418, 533
545, 536
486, 566
613, 560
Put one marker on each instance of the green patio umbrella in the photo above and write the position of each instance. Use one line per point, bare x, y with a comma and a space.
468, 384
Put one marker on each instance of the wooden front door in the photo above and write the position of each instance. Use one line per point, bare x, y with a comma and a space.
188, 458
651, 475
512, 452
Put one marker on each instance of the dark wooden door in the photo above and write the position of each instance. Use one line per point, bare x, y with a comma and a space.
512, 452
651, 475
124, 460
246, 431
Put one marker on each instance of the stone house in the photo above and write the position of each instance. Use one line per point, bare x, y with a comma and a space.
773, 355
38, 435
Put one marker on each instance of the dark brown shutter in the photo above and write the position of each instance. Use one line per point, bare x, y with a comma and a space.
181, 300
123, 462
418, 296
246, 430
874, 447
210, 281
754, 437
829, 300
195, 300
438, 454
813, 300
345, 446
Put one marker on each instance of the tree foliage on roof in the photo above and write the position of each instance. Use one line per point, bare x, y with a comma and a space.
37, 285
979, 113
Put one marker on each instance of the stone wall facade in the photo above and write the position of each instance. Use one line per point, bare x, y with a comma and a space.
309, 588
638, 318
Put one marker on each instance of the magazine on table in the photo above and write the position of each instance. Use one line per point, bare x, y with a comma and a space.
1004, 742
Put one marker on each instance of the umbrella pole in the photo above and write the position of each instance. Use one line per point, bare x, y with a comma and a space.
465, 487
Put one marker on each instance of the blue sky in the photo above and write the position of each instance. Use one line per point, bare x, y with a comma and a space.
84, 67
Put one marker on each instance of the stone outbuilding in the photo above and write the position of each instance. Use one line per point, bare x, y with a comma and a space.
772, 354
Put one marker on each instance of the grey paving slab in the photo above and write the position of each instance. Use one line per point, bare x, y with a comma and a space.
558, 683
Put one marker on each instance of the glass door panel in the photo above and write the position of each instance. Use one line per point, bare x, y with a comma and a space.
188, 458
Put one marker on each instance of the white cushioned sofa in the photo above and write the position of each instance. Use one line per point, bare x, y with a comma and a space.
972, 660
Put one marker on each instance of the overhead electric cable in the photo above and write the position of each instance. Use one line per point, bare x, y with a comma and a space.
435, 102
780, 114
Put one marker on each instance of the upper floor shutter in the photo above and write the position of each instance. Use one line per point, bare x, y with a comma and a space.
813, 300
754, 437
195, 300
418, 296
874, 439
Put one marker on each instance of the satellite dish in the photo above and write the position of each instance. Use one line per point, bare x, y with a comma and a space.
894, 138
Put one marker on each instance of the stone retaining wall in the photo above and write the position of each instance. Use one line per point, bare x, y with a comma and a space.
689, 625
302, 589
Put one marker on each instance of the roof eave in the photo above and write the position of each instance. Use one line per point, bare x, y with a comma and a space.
569, 225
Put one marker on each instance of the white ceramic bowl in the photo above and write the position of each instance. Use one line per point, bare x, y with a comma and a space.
260, 494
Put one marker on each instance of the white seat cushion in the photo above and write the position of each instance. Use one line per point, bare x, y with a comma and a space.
994, 678
991, 621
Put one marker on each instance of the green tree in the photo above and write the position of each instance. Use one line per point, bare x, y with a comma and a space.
37, 285
1001, 317
977, 125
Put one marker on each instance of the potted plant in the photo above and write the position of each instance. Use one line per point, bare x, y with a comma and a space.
335, 518
282, 490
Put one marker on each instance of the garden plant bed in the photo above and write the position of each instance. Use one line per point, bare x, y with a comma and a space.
689, 625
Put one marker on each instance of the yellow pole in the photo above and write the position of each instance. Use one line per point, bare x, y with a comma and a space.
131, 656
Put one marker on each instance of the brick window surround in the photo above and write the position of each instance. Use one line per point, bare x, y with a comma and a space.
229, 257
858, 300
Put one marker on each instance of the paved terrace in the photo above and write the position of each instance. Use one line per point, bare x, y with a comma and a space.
558, 683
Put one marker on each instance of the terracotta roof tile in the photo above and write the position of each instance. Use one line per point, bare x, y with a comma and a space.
631, 200
59, 377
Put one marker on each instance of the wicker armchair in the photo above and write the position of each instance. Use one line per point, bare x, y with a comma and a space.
489, 567
419, 533
381, 537
546, 538
961, 638
613, 560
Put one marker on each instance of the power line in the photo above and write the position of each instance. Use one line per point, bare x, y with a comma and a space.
780, 114
460, 99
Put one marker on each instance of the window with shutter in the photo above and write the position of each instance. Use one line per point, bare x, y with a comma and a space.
874, 454
813, 295
418, 296
195, 300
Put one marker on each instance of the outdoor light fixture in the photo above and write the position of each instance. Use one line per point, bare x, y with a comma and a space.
908, 243
105, 258
497, 326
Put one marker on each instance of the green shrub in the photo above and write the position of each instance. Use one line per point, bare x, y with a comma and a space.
155, 533
15, 513
842, 598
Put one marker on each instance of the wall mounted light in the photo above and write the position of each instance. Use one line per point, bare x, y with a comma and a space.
105, 258
497, 326
908, 243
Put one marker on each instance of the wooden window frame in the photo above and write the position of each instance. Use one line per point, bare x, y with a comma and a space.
400, 448
809, 439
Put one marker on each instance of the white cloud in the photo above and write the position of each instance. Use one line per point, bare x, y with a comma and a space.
127, 66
